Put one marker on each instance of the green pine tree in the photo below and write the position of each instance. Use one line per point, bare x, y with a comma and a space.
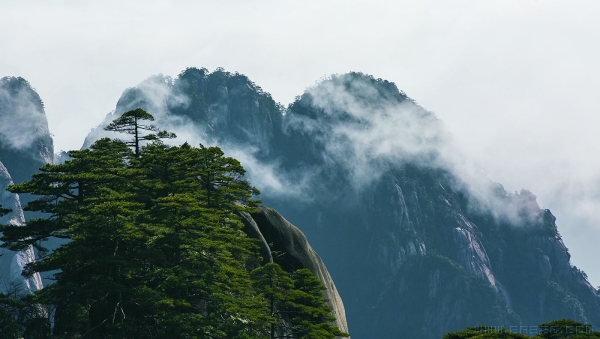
556, 329
154, 247
89, 206
3, 211
132, 122
311, 317
201, 250
275, 285
566, 328
296, 303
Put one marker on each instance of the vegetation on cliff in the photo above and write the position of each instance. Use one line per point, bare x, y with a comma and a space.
154, 248
556, 329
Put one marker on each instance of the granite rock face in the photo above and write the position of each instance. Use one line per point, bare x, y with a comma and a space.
25, 140
25, 145
12, 263
277, 234
418, 246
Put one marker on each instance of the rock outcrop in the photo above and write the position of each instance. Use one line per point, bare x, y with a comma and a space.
12, 263
25, 145
294, 252
25, 140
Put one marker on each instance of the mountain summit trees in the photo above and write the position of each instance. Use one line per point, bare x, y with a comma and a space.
131, 122
155, 247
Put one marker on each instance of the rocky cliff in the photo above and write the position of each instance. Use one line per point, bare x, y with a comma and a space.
293, 253
25, 145
216, 107
429, 245
12, 263
25, 140
417, 243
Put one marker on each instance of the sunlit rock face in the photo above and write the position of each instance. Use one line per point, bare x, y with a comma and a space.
12, 263
417, 242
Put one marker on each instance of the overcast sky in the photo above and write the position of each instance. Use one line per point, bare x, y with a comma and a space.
516, 81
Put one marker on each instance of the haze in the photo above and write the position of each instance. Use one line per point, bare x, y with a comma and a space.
515, 81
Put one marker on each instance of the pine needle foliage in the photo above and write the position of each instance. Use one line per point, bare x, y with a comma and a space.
556, 329
295, 303
154, 246
3, 211
133, 123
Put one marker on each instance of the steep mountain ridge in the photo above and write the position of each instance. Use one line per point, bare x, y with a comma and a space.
25, 145
220, 107
416, 244
25, 140
423, 216
12, 263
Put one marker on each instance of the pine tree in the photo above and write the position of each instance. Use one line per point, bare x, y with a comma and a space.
154, 247
556, 329
275, 285
200, 250
89, 207
566, 328
296, 303
311, 317
147, 255
3, 211
131, 122
21, 317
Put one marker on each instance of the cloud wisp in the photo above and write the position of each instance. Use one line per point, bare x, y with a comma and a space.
156, 96
22, 116
366, 126
365, 131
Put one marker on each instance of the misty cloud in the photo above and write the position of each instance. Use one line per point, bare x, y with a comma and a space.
155, 95
367, 126
268, 176
515, 81
22, 117
360, 125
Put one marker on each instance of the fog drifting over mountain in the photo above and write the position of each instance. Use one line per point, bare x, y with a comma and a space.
514, 81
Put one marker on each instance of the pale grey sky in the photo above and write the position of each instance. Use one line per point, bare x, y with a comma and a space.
515, 81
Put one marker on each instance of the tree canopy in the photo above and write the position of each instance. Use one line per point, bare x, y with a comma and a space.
556, 329
132, 122
155, 247
3, 211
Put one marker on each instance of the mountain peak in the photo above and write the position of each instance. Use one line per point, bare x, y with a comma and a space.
25, 140
418, 242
